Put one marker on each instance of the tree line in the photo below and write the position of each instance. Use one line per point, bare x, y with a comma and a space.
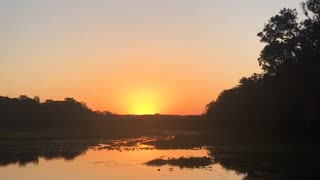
29, 118
283, 102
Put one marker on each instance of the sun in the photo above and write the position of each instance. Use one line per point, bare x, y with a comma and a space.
144, 102
144, 107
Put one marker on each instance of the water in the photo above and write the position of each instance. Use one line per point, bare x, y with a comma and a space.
107, 159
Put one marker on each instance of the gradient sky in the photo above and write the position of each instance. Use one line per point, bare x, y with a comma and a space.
131, 56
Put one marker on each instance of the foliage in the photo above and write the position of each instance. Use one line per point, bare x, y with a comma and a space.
29, 118
282, 103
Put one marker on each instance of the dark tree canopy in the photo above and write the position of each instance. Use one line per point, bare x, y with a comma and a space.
280, 34
289, 41
284, 101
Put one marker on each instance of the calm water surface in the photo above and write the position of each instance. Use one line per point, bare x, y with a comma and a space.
121, 159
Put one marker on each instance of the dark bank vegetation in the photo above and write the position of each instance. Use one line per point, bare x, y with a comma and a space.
183, 162
283, 102
28, 118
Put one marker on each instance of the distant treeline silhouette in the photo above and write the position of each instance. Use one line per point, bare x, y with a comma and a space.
29, 118
283, 102
28, 113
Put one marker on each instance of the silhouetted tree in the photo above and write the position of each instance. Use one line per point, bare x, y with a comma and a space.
71, 119
283, 102
37, 99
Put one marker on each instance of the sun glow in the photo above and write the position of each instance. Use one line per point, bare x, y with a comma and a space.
143, 107
144, 101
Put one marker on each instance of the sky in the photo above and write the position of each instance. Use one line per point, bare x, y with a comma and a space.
131, 56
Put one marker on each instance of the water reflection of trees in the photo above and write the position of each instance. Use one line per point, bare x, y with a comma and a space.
256, 161
281, 161
26, 152
269, 161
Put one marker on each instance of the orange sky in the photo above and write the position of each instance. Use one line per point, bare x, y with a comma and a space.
168, 57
